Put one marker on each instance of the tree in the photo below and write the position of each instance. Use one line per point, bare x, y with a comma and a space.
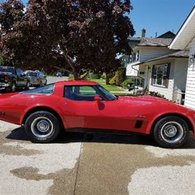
83, 34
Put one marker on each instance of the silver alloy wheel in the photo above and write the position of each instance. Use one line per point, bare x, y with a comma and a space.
42, 127
172, 132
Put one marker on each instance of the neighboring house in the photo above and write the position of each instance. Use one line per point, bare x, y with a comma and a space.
163, 70
185, 39
126, 59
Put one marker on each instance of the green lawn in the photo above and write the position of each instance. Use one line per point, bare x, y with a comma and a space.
108, 87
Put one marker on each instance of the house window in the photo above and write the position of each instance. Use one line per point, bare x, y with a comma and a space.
160, 75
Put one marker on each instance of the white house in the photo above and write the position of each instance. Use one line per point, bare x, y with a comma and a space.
185, 39
164, 70
166, 75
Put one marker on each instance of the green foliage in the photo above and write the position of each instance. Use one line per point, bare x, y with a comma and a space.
125, 83
71, 77
83, 35
117, 77
112, 81
120, 76
108, 77
3, 61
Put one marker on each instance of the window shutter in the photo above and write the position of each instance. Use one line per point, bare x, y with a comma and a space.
167, 76
152, 79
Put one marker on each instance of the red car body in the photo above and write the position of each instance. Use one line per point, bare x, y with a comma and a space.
130, 114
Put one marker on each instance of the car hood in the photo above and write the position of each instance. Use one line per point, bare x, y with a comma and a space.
152, 103
144, 99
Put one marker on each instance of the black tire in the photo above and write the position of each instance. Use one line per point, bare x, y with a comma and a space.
171, 132
42, 127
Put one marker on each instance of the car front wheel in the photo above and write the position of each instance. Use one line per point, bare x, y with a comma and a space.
42, 127
171, 132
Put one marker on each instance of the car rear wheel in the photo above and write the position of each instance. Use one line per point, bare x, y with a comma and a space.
171, 132
42, 127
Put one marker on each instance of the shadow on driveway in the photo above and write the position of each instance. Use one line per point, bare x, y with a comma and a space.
19, 134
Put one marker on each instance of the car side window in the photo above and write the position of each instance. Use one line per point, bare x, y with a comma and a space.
80, 93
48, 89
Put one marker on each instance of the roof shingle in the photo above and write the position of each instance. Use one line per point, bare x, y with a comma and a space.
155, 42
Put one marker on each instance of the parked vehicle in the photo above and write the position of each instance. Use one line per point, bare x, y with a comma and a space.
12, 78
43, 77
86, 106
36, 78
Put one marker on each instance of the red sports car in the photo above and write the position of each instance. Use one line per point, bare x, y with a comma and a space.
87, 106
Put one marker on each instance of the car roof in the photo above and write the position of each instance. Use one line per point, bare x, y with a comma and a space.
77, 82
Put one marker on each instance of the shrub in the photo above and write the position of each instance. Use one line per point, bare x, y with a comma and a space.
120, 76
109, 76
70, 77
112, 81
156, 94
125, 83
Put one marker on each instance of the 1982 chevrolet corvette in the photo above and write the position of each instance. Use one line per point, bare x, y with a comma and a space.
70, 105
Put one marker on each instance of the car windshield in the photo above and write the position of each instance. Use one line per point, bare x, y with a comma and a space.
105, 93
7, 69
48, 89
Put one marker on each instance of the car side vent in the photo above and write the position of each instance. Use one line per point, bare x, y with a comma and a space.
138, 124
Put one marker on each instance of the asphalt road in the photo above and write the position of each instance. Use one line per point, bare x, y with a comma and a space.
93, 164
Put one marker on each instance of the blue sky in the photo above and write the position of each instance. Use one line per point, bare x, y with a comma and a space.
158, 16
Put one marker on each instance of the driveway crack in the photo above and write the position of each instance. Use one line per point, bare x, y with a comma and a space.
77, 170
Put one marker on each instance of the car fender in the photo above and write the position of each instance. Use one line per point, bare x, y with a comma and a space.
183, 115
36, 107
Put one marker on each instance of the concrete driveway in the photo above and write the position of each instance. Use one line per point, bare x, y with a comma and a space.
93, 164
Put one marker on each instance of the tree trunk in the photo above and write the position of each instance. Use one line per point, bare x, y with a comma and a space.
75, 75
71, 64
107, 79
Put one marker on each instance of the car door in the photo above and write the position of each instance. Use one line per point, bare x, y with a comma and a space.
82, 111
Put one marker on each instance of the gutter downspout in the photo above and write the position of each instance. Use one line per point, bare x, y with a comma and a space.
146, 87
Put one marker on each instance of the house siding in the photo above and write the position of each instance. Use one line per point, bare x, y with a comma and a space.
132, 71
180, 75
147, 53
190, 85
